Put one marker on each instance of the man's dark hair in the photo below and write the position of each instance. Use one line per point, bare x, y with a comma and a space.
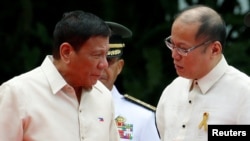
76, 27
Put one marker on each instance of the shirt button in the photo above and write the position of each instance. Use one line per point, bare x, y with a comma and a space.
183, 126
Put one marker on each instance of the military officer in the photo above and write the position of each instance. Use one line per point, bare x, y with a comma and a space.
135, 119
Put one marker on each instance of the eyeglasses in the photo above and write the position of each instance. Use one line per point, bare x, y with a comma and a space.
179, 50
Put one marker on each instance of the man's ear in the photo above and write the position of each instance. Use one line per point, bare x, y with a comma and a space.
120, 65
65, 51
216, 48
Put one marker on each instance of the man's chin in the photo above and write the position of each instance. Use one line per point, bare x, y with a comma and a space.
87, 88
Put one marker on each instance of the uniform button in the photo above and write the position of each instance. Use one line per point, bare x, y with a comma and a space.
183, 126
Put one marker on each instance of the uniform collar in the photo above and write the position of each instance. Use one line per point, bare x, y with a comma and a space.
115, 93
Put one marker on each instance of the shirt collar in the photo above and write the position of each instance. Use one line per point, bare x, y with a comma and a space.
115, 93
206, 82
54, 78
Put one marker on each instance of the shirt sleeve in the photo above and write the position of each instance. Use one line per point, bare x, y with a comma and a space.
11, 115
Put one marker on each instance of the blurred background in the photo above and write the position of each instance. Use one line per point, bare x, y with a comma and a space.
26, 29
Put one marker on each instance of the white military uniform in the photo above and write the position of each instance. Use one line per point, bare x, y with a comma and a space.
135, 123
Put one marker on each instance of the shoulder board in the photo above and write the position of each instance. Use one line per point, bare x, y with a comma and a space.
139, 102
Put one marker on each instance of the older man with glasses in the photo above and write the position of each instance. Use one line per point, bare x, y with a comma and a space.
207, 90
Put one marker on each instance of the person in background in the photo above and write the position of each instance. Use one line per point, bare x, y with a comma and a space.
135, 119
207, 90
63, 100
